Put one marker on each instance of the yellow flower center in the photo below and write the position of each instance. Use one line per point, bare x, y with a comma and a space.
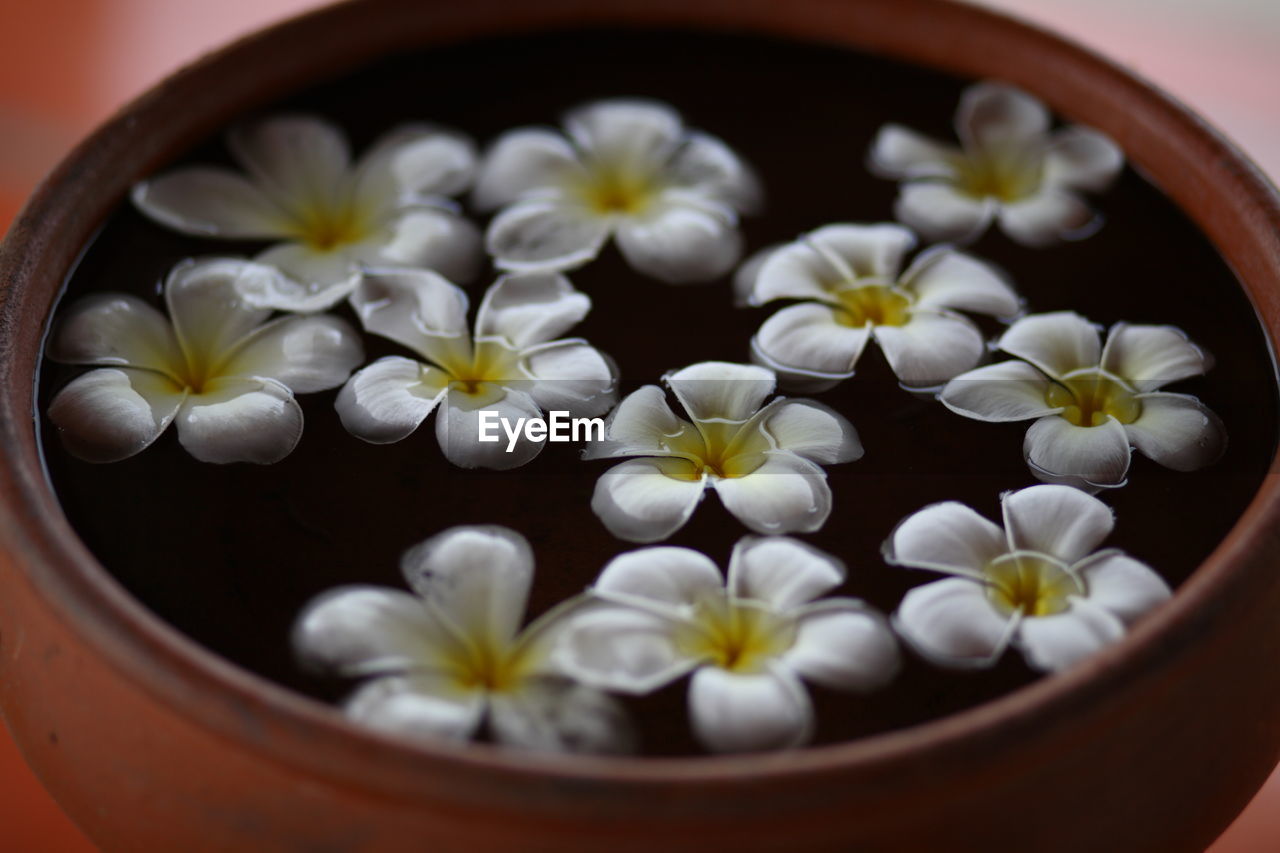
327, 225
740, 636
1030, 583
480, 372
725, 449
1006, 177
1091, 397
874, 304
485, 666
610, 188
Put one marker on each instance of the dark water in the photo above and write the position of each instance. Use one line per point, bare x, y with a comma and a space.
229, 554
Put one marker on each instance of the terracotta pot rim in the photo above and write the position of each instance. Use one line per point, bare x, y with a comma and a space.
302, 732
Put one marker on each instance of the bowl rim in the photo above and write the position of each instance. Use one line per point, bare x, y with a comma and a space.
1242, 220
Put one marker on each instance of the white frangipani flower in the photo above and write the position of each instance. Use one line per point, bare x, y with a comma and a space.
443, 662
1009, 168
665, 612
762, 460
513, 365
333, 217
855, 290
215, 366
1038, 583
1092, 402
629, 169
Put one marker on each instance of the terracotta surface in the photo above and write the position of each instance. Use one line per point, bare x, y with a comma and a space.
271, 767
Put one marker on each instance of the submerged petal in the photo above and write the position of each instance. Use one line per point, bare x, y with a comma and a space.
842, 644
299, 161
1178, 431
478, 576
211, 202
1053, 643
1057, 343
521, 161
930, 348
389, 399
786, 494
1059, 521
736, 712
646, 500
781, 572
422, 706
530, 309
110, 414
951, 623
681, 242
545, 233
556, 715
1060, 451
946, 537
240, 420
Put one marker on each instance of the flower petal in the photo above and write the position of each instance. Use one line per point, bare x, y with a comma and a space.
305, 353
646, 500
901, 153
621, 648
721, 390
1059, 521
115, 329
1046, 217
530, 309
299, 161
866, 251
945, 537
944, 278
782, 572
572, 376
418, 309
1008, 391
520, 161
365, 630
312, 280
1148, 357
680, 242
997, 117
413, 161
930, 348
427, 237
665, 575
458, 430
939, 211
209, 313
786, 494
1059, 451
1123, 586
1053, 643
843, 644
735, 712
478, 576
625, 130
807, 341
555, 715
1082, 158
951, 623
389, 399
794, 271
545, 233
240, 420
704, 163
808, 428
110, 414
211, 202
1178, 431
1057, 343
421, 706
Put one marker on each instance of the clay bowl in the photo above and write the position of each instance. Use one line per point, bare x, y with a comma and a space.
151, 742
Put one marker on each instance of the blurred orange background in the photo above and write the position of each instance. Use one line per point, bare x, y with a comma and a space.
66, 65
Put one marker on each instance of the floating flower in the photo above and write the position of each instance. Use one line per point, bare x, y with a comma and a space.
630, 169
1009, 168
763, 462
512, 367
855, 290
443, 662
665, 612
1092, 402
334, 217
1038, 583
215, 366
